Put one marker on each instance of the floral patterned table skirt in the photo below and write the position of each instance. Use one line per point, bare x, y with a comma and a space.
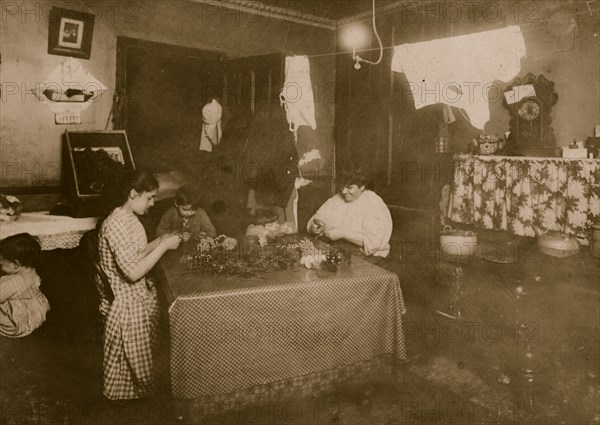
518, 193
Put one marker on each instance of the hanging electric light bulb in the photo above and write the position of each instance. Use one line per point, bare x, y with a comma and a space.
357, 59
355, 36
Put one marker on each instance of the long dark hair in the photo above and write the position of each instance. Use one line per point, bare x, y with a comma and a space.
116, 194
141, 181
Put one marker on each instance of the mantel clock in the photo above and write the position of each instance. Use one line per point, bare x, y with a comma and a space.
530, 119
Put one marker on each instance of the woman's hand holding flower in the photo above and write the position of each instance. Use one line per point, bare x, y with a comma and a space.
318, 227
171, 241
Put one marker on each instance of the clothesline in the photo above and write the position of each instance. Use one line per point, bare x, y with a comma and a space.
534, 26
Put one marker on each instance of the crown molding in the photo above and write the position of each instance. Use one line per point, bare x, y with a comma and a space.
271, 11
379, 11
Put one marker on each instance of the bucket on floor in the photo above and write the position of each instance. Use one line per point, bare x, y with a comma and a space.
457, 244
595, 245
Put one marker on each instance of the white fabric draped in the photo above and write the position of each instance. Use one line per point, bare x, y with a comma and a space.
461, 71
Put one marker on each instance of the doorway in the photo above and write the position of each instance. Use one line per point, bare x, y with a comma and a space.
161, 89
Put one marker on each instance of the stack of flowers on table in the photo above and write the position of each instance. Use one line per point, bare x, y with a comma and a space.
224, 256
327, 257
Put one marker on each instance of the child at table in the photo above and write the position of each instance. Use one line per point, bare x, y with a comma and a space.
23, 307
185, 218
265, 225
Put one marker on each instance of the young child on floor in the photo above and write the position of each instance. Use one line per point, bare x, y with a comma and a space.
23, 307
265, 225
10, 208
185, 218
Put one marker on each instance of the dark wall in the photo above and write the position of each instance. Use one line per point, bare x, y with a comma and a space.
377, 124
376, 121
30, 143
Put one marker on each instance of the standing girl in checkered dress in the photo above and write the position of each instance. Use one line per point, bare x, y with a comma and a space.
132, 318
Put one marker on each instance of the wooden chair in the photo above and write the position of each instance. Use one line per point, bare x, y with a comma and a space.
90, 243
104, 290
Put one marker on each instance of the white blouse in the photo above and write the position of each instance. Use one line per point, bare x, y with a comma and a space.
368, 215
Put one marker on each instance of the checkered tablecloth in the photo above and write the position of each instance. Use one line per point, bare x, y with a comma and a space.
231, 334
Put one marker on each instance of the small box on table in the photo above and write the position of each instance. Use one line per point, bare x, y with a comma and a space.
578, 153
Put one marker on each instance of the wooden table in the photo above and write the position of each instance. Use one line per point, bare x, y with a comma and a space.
290, 333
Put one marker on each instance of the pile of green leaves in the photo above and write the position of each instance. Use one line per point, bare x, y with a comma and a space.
245, 260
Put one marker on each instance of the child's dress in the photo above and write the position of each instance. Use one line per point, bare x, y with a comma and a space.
23, 307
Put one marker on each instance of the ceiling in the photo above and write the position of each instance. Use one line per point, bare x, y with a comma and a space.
321, 13
333, 13
333, 10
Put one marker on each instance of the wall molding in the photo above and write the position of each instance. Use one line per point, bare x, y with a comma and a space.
275, 12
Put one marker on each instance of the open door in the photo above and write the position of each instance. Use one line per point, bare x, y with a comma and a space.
161, 89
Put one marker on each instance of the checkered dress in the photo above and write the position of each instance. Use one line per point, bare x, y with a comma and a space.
131, 322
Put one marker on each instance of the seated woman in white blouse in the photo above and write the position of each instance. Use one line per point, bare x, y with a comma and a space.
356, 215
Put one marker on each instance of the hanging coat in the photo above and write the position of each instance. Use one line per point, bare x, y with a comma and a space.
271, 158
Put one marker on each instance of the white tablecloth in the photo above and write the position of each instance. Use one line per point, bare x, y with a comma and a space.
53, 231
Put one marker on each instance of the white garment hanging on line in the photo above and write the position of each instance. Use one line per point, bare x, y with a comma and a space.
297, 94
460, 71
211, 126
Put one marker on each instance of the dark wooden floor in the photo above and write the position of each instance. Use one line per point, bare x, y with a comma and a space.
473, 366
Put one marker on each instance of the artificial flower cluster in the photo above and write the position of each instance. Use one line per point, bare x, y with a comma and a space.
323, 259
220, 256
212, 255
221, 242
311, 256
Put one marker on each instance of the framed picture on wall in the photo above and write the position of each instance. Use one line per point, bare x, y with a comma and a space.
70, 33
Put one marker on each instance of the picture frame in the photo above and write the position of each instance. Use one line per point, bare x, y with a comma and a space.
85, 170
70, 33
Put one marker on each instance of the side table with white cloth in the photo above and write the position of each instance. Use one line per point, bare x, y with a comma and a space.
52, 231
